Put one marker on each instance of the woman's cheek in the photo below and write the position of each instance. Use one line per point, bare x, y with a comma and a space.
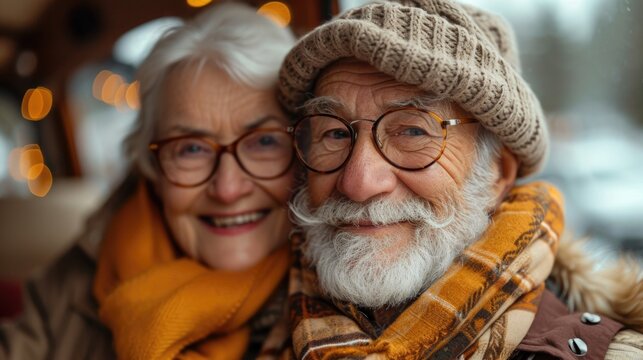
181, 221
184, 233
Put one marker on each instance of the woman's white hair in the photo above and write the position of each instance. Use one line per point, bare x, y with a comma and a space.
247, 46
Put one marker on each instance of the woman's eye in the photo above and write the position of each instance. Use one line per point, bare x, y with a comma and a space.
267, 140
192, 149
271, 141
413, 131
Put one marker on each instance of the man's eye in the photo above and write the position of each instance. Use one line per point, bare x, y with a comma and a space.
414, 131
337, 134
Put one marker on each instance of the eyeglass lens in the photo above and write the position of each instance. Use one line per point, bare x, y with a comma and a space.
408, 138
192, 160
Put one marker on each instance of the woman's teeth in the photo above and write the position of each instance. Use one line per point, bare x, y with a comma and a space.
236, 220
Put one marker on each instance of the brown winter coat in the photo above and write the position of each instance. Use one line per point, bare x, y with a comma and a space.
60, 318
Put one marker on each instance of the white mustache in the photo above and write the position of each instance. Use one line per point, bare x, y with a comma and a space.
340, 212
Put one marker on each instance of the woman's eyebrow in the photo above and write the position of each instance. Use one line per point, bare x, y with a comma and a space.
184, 130
262, 120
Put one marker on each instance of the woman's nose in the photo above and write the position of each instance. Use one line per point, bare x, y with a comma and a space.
229, 182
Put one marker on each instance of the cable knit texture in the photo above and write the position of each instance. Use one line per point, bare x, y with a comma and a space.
449, 49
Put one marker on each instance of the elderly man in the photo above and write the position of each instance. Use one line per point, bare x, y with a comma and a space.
416, 242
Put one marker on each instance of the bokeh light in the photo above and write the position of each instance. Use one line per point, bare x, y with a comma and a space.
198, 3
35, 171
97, 86
27, 163
36, 103
110, 87
41, 185
132, 96
277, 12
119, 95
31, 162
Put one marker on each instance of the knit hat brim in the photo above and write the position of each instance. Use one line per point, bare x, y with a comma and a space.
441, 47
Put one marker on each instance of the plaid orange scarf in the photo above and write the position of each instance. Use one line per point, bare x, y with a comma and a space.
480, 309
160, 305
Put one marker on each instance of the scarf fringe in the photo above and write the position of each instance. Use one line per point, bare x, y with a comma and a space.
615, 290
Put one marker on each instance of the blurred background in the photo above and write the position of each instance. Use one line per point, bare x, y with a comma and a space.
68, 97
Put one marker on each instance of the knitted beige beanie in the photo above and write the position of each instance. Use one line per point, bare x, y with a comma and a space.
452, 50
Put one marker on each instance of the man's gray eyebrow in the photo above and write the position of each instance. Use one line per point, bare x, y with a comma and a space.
321, 104
425, 101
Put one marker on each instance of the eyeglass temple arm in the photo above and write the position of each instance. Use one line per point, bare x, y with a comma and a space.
452, 122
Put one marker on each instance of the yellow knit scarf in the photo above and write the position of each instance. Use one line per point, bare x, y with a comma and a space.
480, 309
162, 305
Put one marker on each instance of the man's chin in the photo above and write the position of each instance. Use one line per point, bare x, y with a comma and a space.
378, 278
374, 291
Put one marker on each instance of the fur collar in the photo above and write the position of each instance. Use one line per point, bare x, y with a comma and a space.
615, 290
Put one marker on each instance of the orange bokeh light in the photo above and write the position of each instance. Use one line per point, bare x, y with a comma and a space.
36, 103
31, 162
132, 96
99, 80
110, 87
35, 171
119, 95
198, 3
41, 185
277, 12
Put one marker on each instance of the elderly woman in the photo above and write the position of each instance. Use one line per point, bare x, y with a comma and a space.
188, 256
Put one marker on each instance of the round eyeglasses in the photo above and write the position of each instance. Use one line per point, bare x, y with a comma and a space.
191, 160
408, 138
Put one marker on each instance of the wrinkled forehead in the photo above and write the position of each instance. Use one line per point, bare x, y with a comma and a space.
348, 83
354, 68
358, 74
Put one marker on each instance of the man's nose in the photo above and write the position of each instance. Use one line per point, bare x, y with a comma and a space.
366, 174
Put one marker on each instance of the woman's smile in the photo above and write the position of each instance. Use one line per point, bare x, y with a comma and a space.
234, 224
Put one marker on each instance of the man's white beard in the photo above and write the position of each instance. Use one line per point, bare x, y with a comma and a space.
378, 272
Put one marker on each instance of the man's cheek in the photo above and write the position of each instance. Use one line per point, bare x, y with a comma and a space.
320, 187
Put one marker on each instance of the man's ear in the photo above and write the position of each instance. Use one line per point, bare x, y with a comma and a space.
507, 172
